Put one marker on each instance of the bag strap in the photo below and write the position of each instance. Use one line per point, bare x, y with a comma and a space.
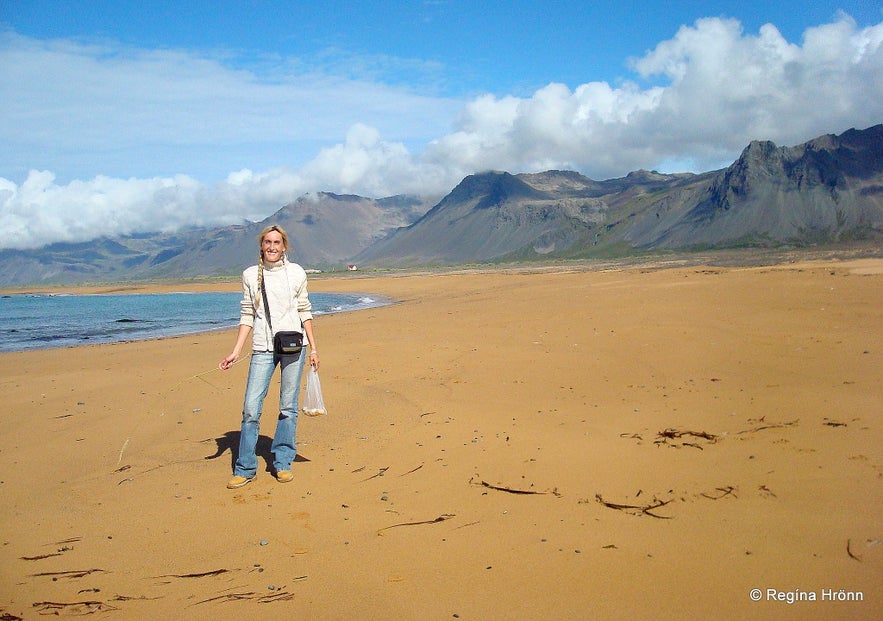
267, 307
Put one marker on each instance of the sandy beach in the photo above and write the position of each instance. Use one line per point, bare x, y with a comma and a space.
646, 442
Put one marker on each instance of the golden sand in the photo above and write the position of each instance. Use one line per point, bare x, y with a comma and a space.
624, 443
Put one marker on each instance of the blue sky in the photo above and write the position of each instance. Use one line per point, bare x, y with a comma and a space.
476, 46
121, 117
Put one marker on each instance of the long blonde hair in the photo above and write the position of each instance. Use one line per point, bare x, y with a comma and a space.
281, 231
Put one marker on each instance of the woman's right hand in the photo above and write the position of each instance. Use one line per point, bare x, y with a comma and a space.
241, 337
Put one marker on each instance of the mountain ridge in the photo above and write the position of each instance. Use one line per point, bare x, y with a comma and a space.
826, 190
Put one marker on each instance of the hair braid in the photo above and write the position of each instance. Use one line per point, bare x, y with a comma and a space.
260, 278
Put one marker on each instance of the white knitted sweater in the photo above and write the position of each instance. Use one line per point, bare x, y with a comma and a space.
286, 285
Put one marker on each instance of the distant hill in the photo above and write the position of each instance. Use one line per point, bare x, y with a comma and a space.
827, 190
325, 229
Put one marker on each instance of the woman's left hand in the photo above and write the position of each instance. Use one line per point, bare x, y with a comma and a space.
314, 359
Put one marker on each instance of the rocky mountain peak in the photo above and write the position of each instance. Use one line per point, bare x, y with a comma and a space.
492, 189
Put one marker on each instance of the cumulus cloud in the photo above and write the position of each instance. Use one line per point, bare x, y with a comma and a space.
728, 88
40, 211
724, 88
693, 103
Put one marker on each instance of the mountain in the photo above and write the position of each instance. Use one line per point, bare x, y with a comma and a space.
98, 260
324, 229
829, 189
490, 215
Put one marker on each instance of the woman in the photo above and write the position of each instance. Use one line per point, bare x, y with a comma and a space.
285, 284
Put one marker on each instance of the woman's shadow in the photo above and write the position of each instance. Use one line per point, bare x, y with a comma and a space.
230, 441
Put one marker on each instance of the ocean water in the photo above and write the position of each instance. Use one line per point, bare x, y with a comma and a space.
40, 321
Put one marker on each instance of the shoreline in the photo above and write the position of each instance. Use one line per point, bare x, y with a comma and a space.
154, 315
715, 258
626, 442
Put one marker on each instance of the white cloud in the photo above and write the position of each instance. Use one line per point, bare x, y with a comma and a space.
725, 88
169, 111
114, 109
728, 88
40, 211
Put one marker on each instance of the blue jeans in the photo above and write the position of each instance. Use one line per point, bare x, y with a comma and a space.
260, 372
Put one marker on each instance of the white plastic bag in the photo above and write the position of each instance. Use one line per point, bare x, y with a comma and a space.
313, 404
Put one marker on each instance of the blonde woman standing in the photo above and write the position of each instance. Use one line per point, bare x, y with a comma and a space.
285, 285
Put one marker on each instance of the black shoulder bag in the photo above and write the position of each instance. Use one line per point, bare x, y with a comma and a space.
286, 343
